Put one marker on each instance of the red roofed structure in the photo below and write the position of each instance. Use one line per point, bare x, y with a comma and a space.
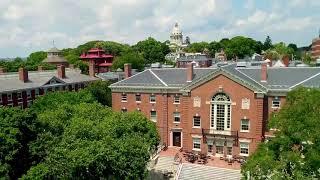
98, 60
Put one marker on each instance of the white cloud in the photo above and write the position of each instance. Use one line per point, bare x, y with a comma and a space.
28, 26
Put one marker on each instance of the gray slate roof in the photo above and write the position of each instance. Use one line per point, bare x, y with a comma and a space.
198, 57
11, 82
282, 79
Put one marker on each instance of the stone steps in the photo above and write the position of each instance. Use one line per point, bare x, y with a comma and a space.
193, 171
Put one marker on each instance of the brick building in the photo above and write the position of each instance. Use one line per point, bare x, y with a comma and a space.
21, 88
315, 48
218, 111
200, 60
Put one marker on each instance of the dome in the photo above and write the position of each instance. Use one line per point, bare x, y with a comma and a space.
176, 29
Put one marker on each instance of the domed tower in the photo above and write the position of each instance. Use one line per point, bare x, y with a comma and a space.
54, 57
176, 37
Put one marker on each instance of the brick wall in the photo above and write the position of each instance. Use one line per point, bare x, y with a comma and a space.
165, 108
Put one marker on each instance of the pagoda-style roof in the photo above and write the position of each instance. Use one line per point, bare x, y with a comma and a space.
95, 53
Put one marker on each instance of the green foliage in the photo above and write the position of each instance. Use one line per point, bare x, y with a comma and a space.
134, 58
152, 50
101, 92
294, 153
16, 131
306, 58
267, 43
69, 135
197, 47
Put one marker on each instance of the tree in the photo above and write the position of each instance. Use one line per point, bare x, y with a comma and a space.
151, 50
88, 141
293, 46
294, 152
134, 58
214, 47
16, 131
267, 43
197, 47
101, 92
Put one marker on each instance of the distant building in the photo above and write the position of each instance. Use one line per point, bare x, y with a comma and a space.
23, 87
199, 60
221, 56
54, 57
315, 48
98, 60
176, 43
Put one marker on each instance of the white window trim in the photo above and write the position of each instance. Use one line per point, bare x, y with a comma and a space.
246, 131
241, 154
225, 116
174, 100
197, 127
136, 98
122, 95
155, 99
174, 117
275, 107
196, 149
156, 117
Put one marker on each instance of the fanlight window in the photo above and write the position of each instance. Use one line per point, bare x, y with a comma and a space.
221, 112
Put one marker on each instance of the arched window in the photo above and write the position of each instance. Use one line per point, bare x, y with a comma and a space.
220, 112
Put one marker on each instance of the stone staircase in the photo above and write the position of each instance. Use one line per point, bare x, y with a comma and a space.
194, 171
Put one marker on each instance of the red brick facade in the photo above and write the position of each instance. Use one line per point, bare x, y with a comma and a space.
315, 48
169, 130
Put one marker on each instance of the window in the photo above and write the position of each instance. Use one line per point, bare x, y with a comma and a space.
153, 116
152, 98
124, 97
19, 95
196, 121
9, 97
36, 92
176, 99
276, 102
138, 97
221, 112
244, 125
176, 116
244, 148
29, 94
124, 110
229, 150
219, 149
196, 143
210, 146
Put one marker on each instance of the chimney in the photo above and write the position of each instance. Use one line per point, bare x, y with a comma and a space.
285, 60
23, 74
2, 70
61, 71
190, 72
92, 68
40, 68
127, 70
264, 72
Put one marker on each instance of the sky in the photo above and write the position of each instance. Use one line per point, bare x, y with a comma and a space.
32, 25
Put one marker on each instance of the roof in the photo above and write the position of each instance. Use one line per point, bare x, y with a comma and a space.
54, 49
55, 59
11, 82
197, 57
279, 79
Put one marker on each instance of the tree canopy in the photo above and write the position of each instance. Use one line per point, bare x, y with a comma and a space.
294, 152
70, 135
